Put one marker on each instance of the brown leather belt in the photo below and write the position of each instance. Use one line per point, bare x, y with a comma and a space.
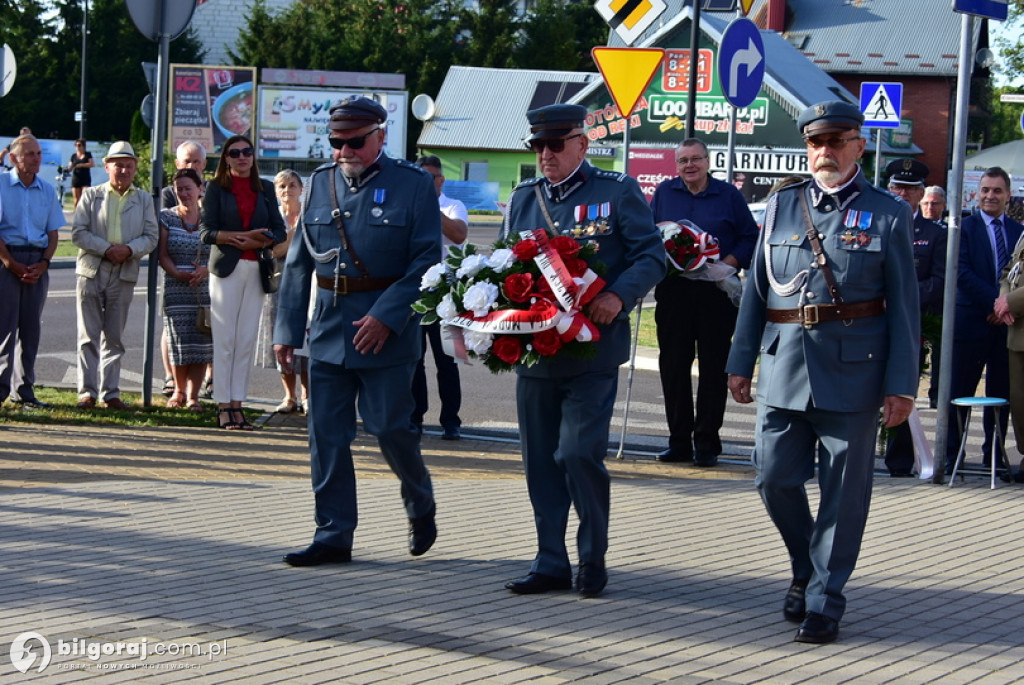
811, 314
346, 285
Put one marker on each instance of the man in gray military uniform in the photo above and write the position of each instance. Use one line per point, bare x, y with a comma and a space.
565, 406
370, 228
831, 309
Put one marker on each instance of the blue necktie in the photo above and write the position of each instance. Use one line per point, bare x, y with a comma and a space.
1001, 254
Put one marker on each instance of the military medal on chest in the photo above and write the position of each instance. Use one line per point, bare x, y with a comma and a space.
379, 196
856, 222
591, 220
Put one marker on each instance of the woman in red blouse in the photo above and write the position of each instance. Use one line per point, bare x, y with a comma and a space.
240, 218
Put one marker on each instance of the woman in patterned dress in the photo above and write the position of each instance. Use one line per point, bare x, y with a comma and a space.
184, 259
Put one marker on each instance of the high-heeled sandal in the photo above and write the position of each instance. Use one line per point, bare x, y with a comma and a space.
240, 421
230, 424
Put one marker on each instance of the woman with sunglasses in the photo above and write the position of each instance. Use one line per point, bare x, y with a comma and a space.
239, 218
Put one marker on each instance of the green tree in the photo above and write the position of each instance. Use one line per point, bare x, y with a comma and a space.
1004, 125
1012, 49
559, 34
493, 30
33, 100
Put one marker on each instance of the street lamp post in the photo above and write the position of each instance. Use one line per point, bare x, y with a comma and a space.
83, 97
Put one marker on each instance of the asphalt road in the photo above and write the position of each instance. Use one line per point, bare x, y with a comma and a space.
488, 400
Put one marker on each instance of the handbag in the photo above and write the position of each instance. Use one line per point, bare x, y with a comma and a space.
203, 323
270, 266
203, 314
270, 271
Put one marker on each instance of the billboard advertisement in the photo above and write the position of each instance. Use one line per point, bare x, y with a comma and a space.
292, 122
210, 104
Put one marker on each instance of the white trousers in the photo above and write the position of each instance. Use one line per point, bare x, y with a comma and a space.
235, 304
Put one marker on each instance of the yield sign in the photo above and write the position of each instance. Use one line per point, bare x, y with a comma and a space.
627, 72
746, 5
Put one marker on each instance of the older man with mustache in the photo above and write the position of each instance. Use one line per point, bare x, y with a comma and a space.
831, 309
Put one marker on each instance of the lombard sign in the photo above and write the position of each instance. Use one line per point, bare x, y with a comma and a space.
292, 122
669, 111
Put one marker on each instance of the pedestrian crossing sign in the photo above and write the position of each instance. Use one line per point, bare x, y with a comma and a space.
880, 103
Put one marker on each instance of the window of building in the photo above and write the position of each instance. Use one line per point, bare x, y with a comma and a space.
475, 171
527, 171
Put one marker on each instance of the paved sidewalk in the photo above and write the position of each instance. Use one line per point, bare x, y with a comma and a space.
175, 537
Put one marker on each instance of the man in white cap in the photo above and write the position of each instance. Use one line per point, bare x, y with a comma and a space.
114, 227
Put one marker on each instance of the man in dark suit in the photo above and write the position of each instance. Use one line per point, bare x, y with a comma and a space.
830, 307
979, 336
565, 406
370, 228
906, 181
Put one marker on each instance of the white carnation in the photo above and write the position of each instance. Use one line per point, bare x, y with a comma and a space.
446, 308
471, 265
433, 277
669, 229
480, 298
477, 342
501, 259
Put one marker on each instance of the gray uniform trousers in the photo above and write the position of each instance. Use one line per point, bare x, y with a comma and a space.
786, 447
563, 424
103, 303
385, 405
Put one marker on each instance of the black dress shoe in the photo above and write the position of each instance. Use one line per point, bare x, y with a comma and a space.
817, 629
422, 533
591, 578
451, 434
537, 583
1018, 477
793, 607
672, 456
705, 459
319, 553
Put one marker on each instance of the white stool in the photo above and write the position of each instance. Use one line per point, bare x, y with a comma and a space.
981, 402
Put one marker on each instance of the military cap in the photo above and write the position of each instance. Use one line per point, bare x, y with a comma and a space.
356, 111
555, 121
833, 116
907, 172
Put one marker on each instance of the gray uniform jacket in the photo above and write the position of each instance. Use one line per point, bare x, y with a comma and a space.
836, 366
629, 244
393, 222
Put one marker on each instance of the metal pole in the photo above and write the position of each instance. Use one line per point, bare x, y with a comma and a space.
691, 96
730, 145
156, 178
878, 155
83, 96
625, 146
955, 200
629, 378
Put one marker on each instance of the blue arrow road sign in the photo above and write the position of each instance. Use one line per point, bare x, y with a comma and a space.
741, 62
880, 103
992, 9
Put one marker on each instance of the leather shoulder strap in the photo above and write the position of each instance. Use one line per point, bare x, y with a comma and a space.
819, 252
342, 233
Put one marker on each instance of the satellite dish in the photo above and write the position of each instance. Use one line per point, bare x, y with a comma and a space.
8, 69
423, 107
986, 58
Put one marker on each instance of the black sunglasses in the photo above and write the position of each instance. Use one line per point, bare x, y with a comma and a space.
355, 142
237, 152
556, 145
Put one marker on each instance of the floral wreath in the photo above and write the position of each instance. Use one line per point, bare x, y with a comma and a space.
521, 303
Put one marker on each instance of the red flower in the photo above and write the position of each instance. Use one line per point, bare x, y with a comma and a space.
576, 266
507, 348
525, 250
670, 245
547, 343
518, 286
565, 245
